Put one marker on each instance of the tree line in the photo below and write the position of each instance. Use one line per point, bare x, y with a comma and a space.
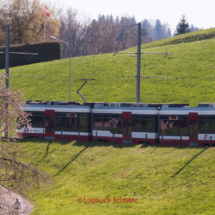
84, 36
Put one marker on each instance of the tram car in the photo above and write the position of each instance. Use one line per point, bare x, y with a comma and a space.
124, 123
187, 126
57, 120
131, 123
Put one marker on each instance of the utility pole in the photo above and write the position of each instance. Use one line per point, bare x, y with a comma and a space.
70, 54
139, 53
5, 130
138, 62
7, 57
6, 78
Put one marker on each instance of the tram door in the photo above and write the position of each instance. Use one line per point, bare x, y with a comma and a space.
193, 129
49, 124
127, 127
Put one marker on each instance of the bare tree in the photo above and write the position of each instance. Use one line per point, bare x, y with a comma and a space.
26, 19
15, 175
73, 32
97, 36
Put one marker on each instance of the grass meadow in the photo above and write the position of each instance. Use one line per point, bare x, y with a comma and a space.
165, 180
192, 67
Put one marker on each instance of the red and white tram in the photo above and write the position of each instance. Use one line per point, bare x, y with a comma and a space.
187, 126
57, 120
164, 124
124, 123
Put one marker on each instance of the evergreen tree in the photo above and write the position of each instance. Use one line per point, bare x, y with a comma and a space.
182, 27
101, 19
159, 31
144, 32
148, 26
117, 19
133, 20
169, 34
193, 28
111, 18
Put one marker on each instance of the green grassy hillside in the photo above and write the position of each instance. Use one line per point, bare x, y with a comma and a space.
184, 38
193, 64
164, 180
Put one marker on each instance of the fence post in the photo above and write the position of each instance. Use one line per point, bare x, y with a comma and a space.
113, 137
40, 135
210, 141
61, 133
146, 139
43, 133
196, 144
180, 140
96, 136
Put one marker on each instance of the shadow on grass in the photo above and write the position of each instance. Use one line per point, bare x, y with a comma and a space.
37, 140
97, 144
194, 157
77, 143
47, 151
70, 161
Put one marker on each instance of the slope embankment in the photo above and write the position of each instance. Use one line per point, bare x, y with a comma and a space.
187, 76
165, 180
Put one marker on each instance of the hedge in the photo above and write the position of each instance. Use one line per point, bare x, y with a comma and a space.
47, 51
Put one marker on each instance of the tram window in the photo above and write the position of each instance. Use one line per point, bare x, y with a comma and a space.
173, 127
82, 122
98, 122
116, 124
138, 123
61, 114
182, 126
204, 123
30, 118
147, 122
38, 120
212, 124
61, 122
71, 124
107, 122
164, 126
182, 118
